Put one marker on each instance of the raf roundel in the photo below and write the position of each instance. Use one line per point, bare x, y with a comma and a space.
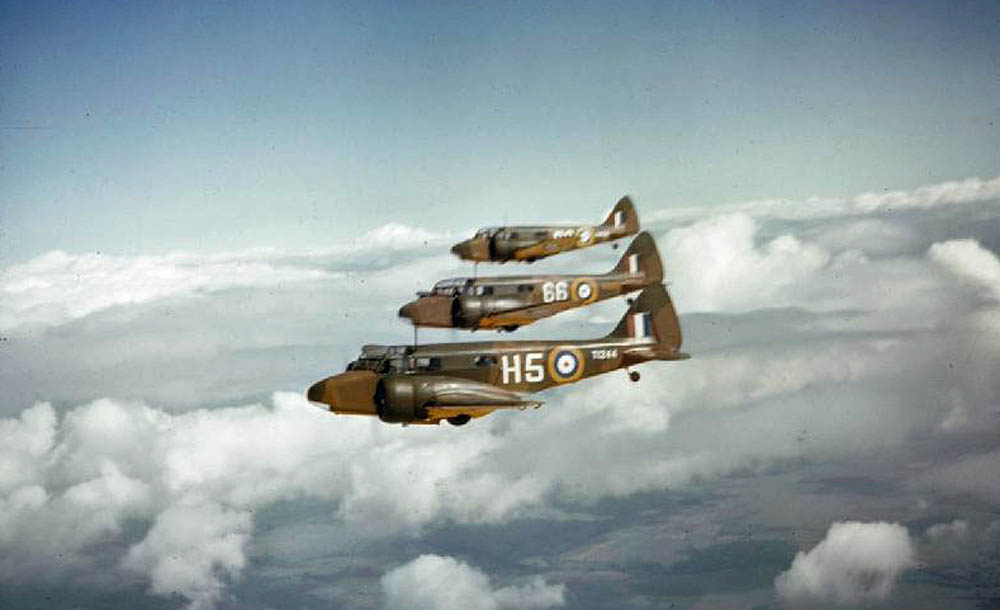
565, 364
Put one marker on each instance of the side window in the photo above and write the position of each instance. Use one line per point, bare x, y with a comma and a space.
484, 291
485, 360
524, 288
541, 234
428, 364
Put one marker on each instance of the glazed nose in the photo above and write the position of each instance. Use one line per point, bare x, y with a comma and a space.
316, 391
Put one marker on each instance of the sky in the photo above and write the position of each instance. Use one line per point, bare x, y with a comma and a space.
206, 207
150, 127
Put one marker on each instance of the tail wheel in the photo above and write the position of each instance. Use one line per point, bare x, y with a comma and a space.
459, 420
634, 376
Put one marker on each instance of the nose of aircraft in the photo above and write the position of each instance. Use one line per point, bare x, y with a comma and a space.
348, 392
406, 311
460, 248
316, 391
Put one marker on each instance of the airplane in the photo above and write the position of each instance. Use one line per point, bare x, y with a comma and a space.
505, 303
502, 244
457, 382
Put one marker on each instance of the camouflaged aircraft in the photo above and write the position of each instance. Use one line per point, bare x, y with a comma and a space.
528, 244
459, 381
505, 303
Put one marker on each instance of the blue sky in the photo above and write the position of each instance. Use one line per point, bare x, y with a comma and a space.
203, 126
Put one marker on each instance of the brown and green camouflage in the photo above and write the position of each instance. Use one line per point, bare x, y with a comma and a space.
505, 303
530, 243
459, 381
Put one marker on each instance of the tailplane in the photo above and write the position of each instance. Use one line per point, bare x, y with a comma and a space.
641, 256
652, 318
623, 218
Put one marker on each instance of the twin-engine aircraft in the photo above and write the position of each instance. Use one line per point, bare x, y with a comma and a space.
459, 381
528, 244
505, 303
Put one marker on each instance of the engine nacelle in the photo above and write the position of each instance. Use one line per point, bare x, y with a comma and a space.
400, 399
466, 311
503, 248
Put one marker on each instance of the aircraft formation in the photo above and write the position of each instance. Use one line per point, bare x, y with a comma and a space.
456, 382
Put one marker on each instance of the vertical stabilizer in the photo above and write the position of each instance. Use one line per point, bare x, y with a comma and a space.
623, 219
651, 318
641, 257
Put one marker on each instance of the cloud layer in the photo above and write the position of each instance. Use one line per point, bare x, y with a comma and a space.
869, 335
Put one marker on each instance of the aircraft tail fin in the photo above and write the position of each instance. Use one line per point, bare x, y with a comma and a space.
641, 256
623, 217
652, 316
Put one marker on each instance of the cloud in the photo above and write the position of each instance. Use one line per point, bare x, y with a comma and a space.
946, 193
946, 533
443, 583
195, 478
715, 265
190, 548
855, 563
397, 235
814, 343
950, 193
56, 287
970, 262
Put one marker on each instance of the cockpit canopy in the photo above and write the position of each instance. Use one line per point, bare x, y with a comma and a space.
488, 231
452, 287
384, 359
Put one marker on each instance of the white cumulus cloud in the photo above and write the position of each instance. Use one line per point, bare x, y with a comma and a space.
433, 582
856, 562
971, 262
715, 264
